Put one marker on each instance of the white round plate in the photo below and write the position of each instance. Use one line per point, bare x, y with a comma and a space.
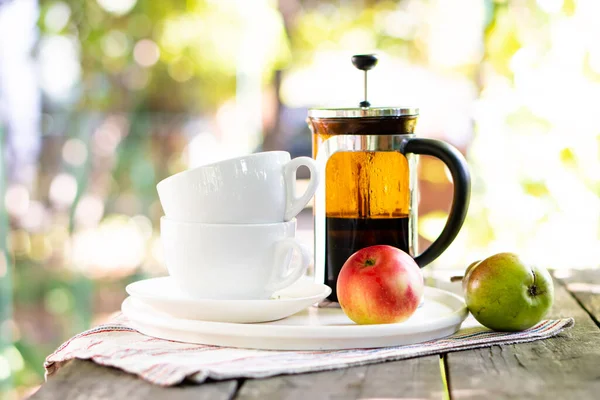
311, 329
163, 295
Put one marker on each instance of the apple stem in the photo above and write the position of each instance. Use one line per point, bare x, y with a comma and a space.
456, 278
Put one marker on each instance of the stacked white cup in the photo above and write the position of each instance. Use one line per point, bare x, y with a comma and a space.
229, 227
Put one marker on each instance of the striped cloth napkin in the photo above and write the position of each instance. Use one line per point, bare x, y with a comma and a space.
167, 363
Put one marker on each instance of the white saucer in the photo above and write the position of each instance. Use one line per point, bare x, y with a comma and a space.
312, 329
163, 295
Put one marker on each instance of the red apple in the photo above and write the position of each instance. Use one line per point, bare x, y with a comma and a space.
380, 285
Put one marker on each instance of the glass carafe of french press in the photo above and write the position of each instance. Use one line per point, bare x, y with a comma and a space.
368, 194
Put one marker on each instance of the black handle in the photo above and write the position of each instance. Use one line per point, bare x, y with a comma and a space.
459, 170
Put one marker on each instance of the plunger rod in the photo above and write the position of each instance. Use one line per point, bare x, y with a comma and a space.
366, 88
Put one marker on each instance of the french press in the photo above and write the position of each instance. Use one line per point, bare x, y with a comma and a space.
369, 197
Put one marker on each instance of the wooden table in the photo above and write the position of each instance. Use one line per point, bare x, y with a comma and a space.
564, 367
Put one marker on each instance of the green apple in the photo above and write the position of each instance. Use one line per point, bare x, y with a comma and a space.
504, 294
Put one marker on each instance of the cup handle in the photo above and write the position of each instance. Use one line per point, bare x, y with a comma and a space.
293, 272
459, 170
295, 204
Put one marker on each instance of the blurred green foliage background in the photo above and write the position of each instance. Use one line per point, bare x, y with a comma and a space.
103, 98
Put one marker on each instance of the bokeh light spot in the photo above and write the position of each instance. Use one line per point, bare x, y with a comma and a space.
57, 16
35, 217
14, 357
89, 210
115, 44
432, 224
16, 200
144, 224
146, 53
60, 67
106, 139
74, 152
113, 249
117, 7
63, 190
5, 371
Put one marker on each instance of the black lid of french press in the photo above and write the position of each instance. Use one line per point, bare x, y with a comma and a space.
363, 62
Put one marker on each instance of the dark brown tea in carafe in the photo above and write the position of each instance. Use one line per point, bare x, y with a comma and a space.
367, 203
345, 236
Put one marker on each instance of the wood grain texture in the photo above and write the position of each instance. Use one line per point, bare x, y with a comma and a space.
564, 367
585, 287
417, 378
84, 380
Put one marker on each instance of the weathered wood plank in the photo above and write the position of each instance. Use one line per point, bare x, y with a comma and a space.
564, 367
585, 286
414, 378
84, 380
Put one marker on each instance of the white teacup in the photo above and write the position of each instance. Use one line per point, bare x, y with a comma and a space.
255, 189
227, 261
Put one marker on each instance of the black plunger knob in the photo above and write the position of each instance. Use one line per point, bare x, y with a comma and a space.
364, 62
